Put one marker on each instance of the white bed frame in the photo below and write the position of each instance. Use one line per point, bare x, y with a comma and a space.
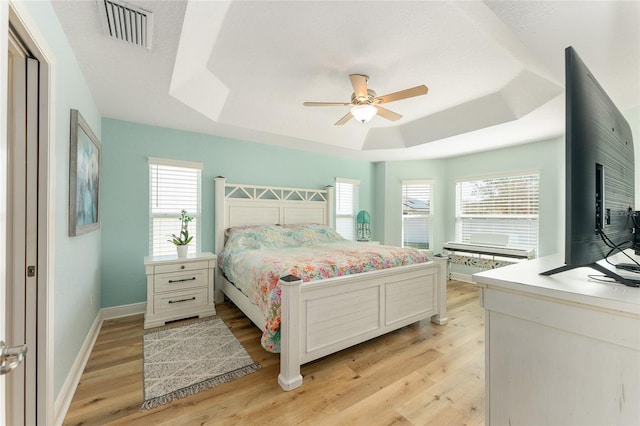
323, 317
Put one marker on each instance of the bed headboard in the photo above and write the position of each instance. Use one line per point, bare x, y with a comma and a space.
239, 204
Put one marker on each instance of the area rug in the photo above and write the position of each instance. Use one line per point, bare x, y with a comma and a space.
188, 358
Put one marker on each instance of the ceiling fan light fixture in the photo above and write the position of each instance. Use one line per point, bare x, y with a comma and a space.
363, 113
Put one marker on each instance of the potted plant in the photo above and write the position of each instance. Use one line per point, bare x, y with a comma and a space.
182, 240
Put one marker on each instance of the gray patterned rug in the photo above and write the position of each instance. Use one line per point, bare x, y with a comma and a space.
185, 359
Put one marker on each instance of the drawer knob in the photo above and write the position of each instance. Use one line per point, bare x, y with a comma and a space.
182, 267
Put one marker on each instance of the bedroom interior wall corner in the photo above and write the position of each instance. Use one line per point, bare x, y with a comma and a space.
379, 218
390, 175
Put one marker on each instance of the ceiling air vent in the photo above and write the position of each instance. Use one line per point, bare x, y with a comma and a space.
125, 22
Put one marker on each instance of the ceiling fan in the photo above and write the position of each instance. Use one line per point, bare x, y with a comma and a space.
365, 103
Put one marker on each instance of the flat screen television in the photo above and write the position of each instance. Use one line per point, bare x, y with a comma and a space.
599, 175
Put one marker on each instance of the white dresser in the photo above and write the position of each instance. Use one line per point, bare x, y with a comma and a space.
561, 349
179, 288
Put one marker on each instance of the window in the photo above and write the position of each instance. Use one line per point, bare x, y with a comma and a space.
416, 213
502, 205
346, 206
174, 186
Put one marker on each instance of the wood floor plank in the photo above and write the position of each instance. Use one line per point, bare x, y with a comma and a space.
382, 406
418, 375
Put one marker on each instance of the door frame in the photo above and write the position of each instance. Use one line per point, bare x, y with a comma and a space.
25, 27
4, 94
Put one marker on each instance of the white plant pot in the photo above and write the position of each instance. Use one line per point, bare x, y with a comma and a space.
182, 250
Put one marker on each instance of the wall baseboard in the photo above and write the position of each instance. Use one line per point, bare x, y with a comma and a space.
63, 400
65, 396
461, 277
123, 310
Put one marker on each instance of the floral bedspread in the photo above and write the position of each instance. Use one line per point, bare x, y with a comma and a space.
254, 259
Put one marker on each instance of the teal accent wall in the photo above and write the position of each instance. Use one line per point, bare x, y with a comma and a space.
389, 177
546, 157
76, 260
126, 147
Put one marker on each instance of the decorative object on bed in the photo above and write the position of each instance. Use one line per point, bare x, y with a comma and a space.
363, 225
84, 177
183, 239
182, 360
320, 317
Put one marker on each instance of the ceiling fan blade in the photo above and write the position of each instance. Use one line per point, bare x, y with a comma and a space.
326, 104
389, 115
403, 94
344, 119
359, 83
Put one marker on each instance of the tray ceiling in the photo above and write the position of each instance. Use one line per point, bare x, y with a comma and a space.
242, 69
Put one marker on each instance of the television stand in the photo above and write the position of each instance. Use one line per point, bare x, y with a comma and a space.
561, 349
630, 282
628, 267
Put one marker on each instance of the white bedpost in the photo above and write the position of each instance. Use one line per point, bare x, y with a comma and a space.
290, 377
441, 291
330, 209
220, 226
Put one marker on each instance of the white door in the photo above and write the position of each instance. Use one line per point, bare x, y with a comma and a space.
20, 248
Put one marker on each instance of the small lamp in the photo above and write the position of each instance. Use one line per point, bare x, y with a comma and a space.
364, 113
363, 226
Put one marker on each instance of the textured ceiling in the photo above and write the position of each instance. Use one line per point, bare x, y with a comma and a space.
242, 69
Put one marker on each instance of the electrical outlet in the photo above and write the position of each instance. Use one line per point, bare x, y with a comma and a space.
91, 300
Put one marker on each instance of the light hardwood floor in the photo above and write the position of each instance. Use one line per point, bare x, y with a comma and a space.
423, 374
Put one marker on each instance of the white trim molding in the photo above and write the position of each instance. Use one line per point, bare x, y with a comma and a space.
348, 180
123, 310
65, 396
457, 276
28, 29
175, 163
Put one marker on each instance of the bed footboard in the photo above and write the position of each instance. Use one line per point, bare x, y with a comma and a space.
319, 318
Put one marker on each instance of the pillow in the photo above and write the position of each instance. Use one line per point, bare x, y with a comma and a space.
254, 237
313, 233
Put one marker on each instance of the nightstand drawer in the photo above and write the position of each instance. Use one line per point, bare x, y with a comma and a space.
180, 300
177, 267
179, 287
180, 281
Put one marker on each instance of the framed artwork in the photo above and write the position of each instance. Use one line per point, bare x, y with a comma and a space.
84, 177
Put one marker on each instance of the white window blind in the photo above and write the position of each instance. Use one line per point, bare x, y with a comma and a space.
501, 205
174, 186
346, 207
416, 214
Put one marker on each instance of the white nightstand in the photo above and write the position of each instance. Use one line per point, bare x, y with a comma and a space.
179, 288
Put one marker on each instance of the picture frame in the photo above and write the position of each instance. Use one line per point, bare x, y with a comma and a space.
84, 177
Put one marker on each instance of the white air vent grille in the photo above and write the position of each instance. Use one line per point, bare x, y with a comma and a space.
125, 22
